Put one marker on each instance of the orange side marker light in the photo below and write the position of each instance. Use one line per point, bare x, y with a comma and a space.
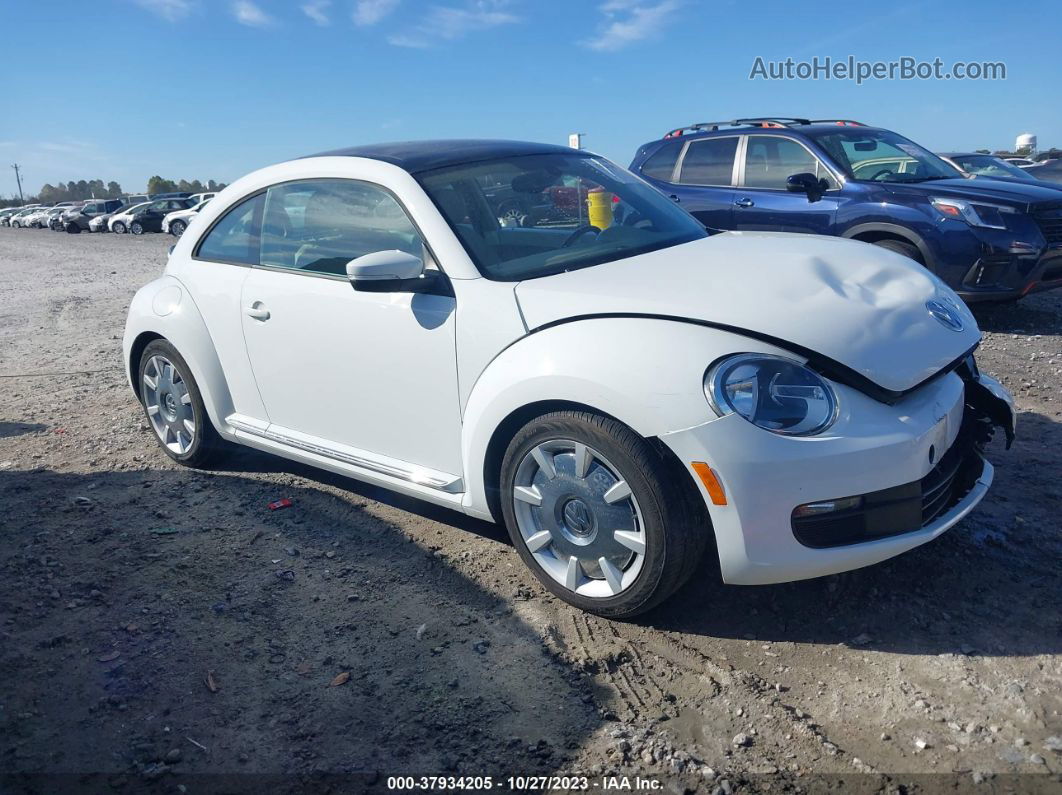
710, 481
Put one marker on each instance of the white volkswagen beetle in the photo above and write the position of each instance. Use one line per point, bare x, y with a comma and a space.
618, 387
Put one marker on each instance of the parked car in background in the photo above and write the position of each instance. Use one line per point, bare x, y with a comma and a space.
173, 195
1023, 162
177, 221
53, 219
987, 240
80, 218
978, 165
622, 397
7, 214
120, 220
137, 198
148, 217
18, 219
37, 218
202, 197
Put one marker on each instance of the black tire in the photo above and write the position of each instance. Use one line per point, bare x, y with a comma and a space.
177, 228
136, 228
119, 228
677, 530
900, 247
73, 229
206, 445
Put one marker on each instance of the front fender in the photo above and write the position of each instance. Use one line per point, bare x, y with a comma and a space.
647, 373
164, 308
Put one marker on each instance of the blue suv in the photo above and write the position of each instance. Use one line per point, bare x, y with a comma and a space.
988, 240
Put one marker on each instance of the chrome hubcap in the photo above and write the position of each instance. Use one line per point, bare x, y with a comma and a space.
578, 518
169, 406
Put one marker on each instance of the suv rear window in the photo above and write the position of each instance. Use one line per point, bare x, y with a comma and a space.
709, 162
661, 164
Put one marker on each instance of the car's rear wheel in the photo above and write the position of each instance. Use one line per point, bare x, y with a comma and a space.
136, 228
177, 228
73, 228
174, 406
118, 228
900, 247
595, 513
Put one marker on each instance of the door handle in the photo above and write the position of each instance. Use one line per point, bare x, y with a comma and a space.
745, 203
257, 311
675, 198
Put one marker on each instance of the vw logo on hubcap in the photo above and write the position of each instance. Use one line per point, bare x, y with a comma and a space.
578, 517
945, 315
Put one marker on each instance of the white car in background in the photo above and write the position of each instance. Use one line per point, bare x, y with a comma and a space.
119, 221
196, 198
1023, 162
176, 222
619, 388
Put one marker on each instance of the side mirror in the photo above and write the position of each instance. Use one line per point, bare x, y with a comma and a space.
808, 183
391, 271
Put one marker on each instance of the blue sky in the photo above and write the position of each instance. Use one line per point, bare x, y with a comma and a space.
212, 89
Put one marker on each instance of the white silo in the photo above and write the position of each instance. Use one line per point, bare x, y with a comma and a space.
1025, 141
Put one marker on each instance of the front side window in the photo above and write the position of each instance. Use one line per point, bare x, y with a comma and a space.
770, 160
320, 225
581, 211
709, 161
882, 156
235, 238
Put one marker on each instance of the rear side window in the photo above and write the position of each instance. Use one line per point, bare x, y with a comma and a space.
661, 164
320, 225
709, 162
235, 238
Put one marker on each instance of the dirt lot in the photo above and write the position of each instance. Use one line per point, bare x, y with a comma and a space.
158, 624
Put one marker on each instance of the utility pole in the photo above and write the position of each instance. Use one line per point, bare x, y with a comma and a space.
18, 179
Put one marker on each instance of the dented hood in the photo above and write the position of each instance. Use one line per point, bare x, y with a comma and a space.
860, 305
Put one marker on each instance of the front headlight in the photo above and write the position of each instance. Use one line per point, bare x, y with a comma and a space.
989, 216
778, 394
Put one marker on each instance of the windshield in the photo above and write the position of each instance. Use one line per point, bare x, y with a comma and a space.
883, 156
534, 215
988, 166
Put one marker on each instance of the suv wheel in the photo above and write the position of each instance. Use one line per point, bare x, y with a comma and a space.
908, 250
595, 512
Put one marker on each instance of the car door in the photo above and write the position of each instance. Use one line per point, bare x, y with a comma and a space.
363, 376
762, 200
704, 178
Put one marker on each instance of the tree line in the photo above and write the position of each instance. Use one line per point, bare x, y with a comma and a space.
97, 189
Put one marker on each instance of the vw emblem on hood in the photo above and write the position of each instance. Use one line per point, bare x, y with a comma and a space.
945, 315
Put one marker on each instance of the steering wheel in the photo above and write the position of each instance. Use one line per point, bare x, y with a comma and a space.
880, 172
578, 233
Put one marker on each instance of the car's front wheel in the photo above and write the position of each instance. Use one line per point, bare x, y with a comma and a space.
174, 406
136, 228
598, 515
908, 250
177, 228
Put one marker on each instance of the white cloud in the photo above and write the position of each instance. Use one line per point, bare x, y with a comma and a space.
170, 10
317, 10
449, 23
630, 21
247, 13
369, 12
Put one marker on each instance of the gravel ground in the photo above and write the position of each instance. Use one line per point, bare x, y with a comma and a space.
158, 623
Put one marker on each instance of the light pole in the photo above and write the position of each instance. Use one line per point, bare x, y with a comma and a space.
18, 179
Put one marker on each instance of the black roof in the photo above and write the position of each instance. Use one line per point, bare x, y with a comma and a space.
415, 156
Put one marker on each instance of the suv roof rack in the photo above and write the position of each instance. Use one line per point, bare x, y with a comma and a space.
758, 121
